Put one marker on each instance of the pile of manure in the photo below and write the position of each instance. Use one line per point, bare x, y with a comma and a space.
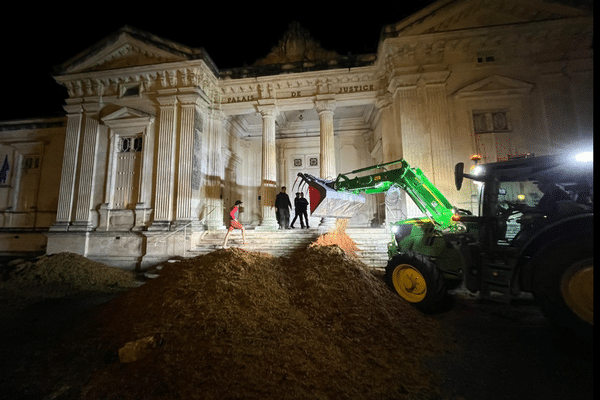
235, 324
58, 276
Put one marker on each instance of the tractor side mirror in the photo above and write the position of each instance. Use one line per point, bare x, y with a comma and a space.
459, 168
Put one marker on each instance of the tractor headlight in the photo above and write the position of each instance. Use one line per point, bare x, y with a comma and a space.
585, 156
477, 170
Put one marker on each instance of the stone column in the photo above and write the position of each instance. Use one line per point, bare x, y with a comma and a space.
442, 155
325, 108
413, 135
69, 169
391, 150
87, 172
268, 186
185, 160
214, 180
165, 165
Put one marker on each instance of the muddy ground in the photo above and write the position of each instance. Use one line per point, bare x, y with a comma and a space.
491, 351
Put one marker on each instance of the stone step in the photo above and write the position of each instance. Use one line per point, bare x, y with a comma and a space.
371, 242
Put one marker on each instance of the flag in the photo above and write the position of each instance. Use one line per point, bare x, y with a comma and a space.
4, 170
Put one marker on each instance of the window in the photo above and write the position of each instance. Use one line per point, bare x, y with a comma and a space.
32, 162
490, 122
130, 144
486, 58
130, 90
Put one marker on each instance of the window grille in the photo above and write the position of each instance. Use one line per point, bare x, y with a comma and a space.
32, 162
130, 144
490, 122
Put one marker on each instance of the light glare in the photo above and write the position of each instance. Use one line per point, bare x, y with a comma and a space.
586, 156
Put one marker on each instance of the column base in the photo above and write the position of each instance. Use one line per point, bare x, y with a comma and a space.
60, 226
81, 226
160, 226
269, 224
264, 228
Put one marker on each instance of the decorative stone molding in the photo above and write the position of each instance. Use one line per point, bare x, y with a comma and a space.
275, 87
494, 86
109, 83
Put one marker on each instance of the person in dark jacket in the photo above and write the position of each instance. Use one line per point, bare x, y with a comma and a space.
283, 207
300, 205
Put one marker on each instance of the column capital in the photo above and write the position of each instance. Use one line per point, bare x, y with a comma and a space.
216, 114
91, 108
268, 110
325, 106
73, 109
384, 101
189, 99
166, 101
435, 77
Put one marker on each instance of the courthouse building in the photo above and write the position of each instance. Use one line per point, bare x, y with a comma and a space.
157, 138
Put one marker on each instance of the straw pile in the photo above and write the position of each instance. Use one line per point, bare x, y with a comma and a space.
337, 236
58, 276
235, 324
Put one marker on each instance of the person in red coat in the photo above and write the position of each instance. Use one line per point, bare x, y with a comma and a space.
234, 223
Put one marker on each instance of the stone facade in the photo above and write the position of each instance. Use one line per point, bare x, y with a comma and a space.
157, 142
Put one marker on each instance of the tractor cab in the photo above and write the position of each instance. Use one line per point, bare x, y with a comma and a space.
519, 196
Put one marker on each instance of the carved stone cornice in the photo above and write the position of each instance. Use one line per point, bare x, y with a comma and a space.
148, 78
295, 86
520, 40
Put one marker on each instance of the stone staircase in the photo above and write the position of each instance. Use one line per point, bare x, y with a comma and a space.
372, 242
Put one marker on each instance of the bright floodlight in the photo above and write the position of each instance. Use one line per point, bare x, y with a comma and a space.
477, 170
586, 156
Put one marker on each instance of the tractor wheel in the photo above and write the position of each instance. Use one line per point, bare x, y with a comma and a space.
563, 285
417, 280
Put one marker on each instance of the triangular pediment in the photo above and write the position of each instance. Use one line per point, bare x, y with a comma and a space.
494, 86
127, 48
127, 117
453, 15
124, 113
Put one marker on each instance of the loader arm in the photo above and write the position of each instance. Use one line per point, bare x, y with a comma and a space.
346, 192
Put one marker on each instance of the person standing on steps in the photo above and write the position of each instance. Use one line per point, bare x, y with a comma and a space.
296, 211
301, 205
283, 206
234, 223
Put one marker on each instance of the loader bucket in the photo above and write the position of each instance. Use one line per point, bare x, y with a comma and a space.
326, 202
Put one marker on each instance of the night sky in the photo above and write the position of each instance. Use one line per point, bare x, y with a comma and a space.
37, 38
233, 37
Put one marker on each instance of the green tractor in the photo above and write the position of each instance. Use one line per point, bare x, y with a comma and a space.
532, 232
